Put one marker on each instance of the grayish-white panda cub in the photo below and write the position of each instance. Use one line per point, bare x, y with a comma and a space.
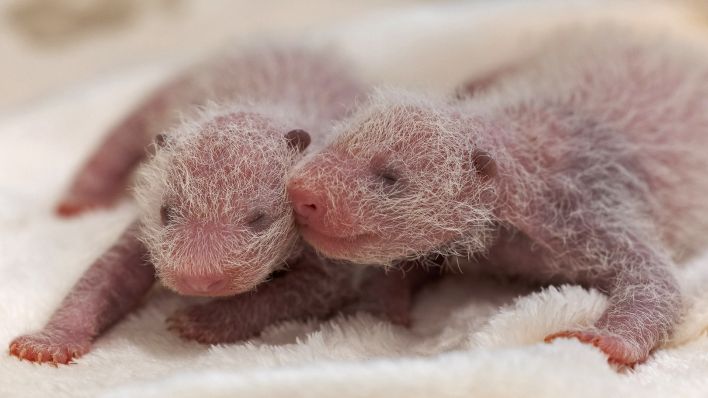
586, 164
215, 218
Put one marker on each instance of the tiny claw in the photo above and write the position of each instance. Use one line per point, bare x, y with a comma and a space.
612, 346
66, 209
22, 353
54, 358
558, 335
40, 356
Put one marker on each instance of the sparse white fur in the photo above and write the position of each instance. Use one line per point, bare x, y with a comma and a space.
217, 197
659, 119
414, 130
228, 158
599, 144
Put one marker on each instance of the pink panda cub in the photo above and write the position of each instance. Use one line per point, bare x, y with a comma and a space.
215, 219
584, 165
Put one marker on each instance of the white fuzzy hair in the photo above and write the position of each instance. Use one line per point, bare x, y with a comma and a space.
245, 169
599, 142
392, 125
215, 173
318, 85
630, 112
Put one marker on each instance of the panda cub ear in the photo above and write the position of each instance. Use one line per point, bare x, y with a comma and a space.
298, 139
484, 164
161, 140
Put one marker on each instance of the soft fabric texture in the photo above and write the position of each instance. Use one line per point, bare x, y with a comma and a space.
471, 336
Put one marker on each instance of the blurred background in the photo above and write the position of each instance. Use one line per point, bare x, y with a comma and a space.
46, 45
70, 69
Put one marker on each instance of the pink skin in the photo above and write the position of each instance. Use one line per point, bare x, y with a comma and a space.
209, 221
222, 223
92, 306
630, 328
387, 293
568, 190
634, 321
312, 288
112, 287
252, 83
275, 75
119, 280
330, 219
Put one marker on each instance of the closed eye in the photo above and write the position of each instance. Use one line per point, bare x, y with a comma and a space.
388, 178
258, 221
166, 214
390, 182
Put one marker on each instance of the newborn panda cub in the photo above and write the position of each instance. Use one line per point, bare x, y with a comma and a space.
215, 220
585, 165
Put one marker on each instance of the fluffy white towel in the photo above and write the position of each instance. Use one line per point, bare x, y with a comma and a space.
471, 336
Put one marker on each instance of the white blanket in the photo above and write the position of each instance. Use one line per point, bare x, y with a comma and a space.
470, 336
